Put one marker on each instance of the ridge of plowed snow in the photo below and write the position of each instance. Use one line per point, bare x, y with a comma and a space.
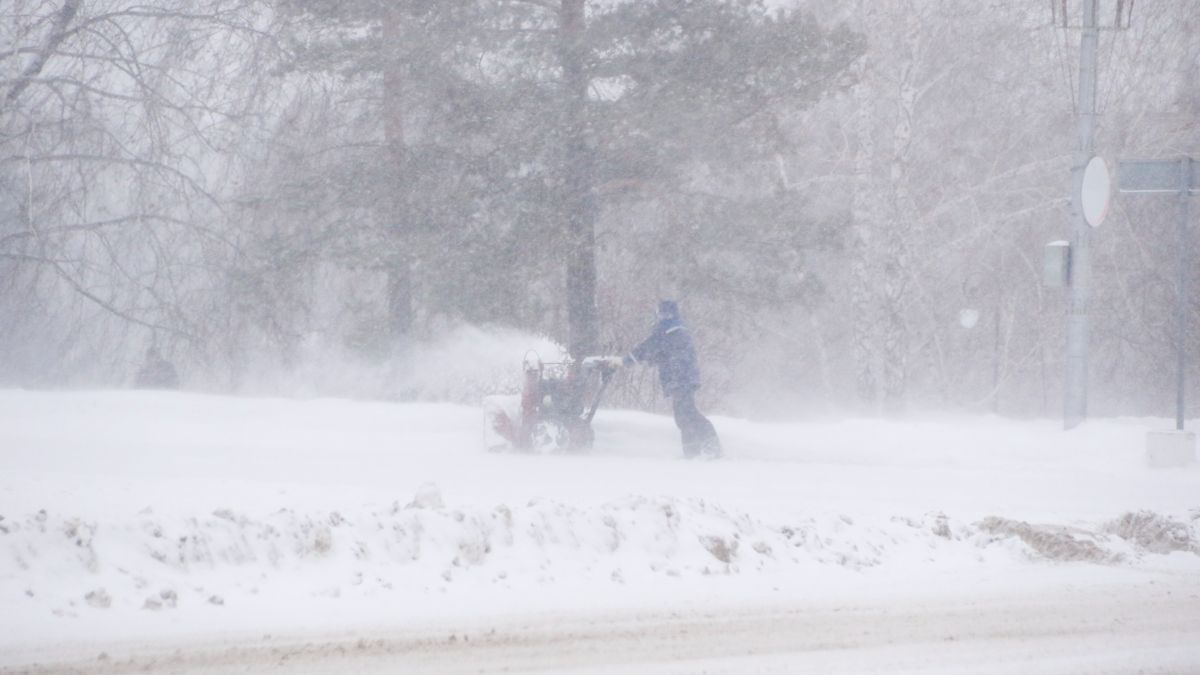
139, 512
419, 547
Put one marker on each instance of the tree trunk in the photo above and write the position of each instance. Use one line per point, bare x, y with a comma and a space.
400, 307
579, 200
901, 226
865, 215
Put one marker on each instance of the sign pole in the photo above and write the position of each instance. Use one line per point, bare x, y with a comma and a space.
1176, 177
1075, 391
1181, 257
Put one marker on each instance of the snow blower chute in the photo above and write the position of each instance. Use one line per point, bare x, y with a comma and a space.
555, 408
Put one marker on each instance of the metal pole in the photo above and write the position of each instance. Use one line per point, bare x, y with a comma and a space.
1075, 391
1181, 289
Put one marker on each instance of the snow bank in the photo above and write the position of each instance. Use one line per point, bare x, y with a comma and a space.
66, 564
145, 511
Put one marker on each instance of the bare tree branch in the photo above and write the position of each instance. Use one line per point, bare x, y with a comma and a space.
57, 34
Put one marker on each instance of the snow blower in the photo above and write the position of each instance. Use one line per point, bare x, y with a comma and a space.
555, 408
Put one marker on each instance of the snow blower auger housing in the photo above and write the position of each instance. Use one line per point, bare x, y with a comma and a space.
555, 408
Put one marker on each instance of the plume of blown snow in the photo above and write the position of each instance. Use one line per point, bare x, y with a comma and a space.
459, 365
471, 362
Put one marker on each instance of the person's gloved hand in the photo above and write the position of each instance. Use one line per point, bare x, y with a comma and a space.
606, 362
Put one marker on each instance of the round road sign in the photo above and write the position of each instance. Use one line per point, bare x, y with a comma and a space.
1096, 193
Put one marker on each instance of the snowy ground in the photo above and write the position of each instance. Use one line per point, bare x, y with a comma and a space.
233, 533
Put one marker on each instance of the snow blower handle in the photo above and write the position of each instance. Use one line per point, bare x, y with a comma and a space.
605, 364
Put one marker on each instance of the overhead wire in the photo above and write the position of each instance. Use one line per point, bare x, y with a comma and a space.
1061, 48
1109, 85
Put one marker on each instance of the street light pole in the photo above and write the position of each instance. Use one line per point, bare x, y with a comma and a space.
1075, 390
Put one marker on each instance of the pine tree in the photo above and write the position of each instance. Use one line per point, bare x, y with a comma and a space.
558, 110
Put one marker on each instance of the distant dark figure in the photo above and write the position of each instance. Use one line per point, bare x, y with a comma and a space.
156, 372
670, 348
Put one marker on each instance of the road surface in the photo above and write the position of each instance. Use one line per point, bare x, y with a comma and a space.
1146, 627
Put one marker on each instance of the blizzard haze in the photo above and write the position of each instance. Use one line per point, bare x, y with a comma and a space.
850, 205
304, 306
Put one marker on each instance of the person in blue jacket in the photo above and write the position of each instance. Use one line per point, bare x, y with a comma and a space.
670, 348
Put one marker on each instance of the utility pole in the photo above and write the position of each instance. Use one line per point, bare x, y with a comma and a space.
1076, 386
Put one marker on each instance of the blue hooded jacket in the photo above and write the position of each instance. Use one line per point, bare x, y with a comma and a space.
670, 347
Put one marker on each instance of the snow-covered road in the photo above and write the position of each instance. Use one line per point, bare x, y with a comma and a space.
135, 519
1137, 628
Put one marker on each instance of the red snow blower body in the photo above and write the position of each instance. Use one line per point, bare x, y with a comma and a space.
555, 408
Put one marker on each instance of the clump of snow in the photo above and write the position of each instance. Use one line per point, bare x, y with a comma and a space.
725, 549
1049, 541
99, 598
164, 599
941, 525
1154, 532
428, 497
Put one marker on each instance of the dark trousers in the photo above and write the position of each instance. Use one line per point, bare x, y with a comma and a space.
699, 436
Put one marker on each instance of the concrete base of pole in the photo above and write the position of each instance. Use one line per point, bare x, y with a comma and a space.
1170, 448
